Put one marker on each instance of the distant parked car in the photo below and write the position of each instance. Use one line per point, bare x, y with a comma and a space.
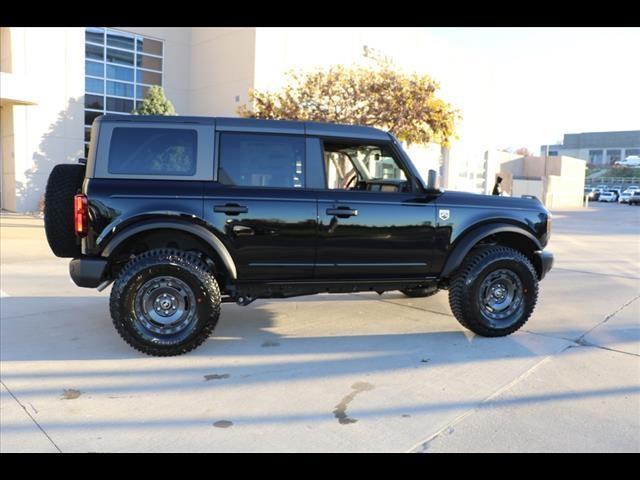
624, 196
635, 198
633, 187
608, 196
632, 161
592, 194
602, 188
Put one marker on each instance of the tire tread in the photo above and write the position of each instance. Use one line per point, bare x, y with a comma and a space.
155, 257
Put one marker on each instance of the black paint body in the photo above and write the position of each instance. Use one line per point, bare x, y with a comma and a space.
286, 241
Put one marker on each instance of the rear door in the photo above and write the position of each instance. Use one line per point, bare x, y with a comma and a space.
259, 204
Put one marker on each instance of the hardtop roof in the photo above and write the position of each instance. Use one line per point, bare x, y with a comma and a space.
258, 125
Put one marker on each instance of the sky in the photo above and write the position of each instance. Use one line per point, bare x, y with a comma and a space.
524, 87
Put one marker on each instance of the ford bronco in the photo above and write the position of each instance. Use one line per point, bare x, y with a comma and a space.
183, 214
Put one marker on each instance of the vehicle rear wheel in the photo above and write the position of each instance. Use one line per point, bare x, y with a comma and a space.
64, 182
419, 292
494, 292
165, 302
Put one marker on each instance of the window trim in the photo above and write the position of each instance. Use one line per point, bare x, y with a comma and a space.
269, 134
204, 153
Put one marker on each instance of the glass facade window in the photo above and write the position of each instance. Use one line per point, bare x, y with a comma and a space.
119, 69
120, 73
146, 45
119, 105
120, 40
632, 152
94, 102
151, 63
94, 69
612, 156
120, 89
595, 157
94, 85
94, 35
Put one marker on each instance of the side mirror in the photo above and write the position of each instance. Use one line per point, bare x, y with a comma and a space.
431, 180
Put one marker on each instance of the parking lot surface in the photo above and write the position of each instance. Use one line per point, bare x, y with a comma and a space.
356, 372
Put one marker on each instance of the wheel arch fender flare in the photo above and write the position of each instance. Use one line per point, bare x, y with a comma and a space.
194, 229
471, 238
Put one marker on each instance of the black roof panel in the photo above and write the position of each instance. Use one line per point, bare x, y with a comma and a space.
260, 125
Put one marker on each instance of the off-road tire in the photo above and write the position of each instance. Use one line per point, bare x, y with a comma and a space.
64, 182
464, 298
419, 292
189, 269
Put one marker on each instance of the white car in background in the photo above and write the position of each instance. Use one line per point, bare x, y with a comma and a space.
626, 195
632, 161
608, 196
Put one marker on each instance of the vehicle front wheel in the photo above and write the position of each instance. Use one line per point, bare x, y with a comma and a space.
165, 302
494, 292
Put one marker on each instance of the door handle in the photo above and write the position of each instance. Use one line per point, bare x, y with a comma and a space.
230, 209
243, 230
342, 212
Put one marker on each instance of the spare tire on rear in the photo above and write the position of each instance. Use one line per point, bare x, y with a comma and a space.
64, 182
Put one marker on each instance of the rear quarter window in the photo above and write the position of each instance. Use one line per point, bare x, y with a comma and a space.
153, 151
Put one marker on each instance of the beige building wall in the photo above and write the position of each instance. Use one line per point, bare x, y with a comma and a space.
557, 181
42, 109
222, 70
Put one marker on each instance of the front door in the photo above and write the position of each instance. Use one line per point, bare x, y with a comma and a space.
259, 205
372, 222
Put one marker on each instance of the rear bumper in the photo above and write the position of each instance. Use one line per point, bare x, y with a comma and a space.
544, 260
87, 272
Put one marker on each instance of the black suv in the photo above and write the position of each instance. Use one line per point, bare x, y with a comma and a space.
186, 213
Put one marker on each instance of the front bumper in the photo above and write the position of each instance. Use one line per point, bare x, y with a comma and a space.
544, 262
87, 272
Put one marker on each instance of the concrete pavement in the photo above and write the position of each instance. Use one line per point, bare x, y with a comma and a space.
355, 372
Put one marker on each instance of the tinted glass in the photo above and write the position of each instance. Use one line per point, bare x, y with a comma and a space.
120, 73
93, 85
118, 56
94, 101
151, 78
147, 45
94, 69
153, 151
119, 105
95, 35
94, 52
89, 117
152, 63
141, 91
119, 40
262, 160
120, 89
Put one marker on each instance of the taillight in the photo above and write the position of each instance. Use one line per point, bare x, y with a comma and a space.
80, 215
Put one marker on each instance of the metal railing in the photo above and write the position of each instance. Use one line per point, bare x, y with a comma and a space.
611, 181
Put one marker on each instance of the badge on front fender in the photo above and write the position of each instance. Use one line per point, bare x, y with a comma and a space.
443, 214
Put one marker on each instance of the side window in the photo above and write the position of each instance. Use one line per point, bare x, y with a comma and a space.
153, 151
261, 160
362, 166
